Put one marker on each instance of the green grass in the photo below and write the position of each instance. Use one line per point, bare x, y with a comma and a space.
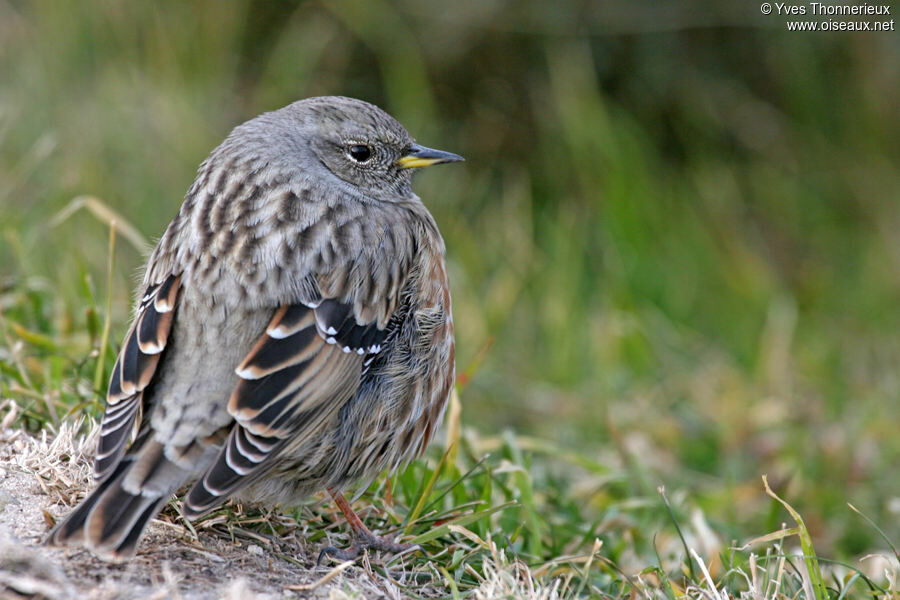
503, 499
673, 253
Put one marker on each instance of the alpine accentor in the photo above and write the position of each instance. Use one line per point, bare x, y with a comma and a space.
294, 330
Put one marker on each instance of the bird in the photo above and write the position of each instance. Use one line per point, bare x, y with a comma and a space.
292, 331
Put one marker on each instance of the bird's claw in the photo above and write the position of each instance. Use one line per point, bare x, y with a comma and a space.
364, 542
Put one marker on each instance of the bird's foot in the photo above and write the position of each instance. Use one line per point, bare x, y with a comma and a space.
363, 541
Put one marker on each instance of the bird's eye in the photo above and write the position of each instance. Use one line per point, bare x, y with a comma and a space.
360, 152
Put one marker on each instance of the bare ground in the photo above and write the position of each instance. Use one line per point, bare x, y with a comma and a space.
40, 479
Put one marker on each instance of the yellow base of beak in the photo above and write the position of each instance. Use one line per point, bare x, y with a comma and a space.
420, 156
414, 162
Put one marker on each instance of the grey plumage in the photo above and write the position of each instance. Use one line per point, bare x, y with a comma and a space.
294, 331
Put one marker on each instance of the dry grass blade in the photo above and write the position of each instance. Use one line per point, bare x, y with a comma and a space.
323, 580
454, 426
104, 214
771, 537
713, 590
107, 321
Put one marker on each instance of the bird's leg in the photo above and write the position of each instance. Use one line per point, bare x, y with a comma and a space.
363, 539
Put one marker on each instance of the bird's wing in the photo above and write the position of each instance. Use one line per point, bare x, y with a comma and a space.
308, 361
133, 372
299, 363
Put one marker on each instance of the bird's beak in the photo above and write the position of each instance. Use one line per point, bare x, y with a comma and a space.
420, 156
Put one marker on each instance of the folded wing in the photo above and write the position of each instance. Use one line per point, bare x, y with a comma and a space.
302, 369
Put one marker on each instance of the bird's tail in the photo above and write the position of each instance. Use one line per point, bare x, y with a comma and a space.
112, 519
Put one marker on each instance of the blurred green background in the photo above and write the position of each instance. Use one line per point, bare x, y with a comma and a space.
675, 243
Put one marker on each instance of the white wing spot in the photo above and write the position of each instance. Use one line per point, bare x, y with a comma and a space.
246, 374
277, 333
151, 348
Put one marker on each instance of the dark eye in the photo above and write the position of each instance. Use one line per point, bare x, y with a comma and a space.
360, 153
